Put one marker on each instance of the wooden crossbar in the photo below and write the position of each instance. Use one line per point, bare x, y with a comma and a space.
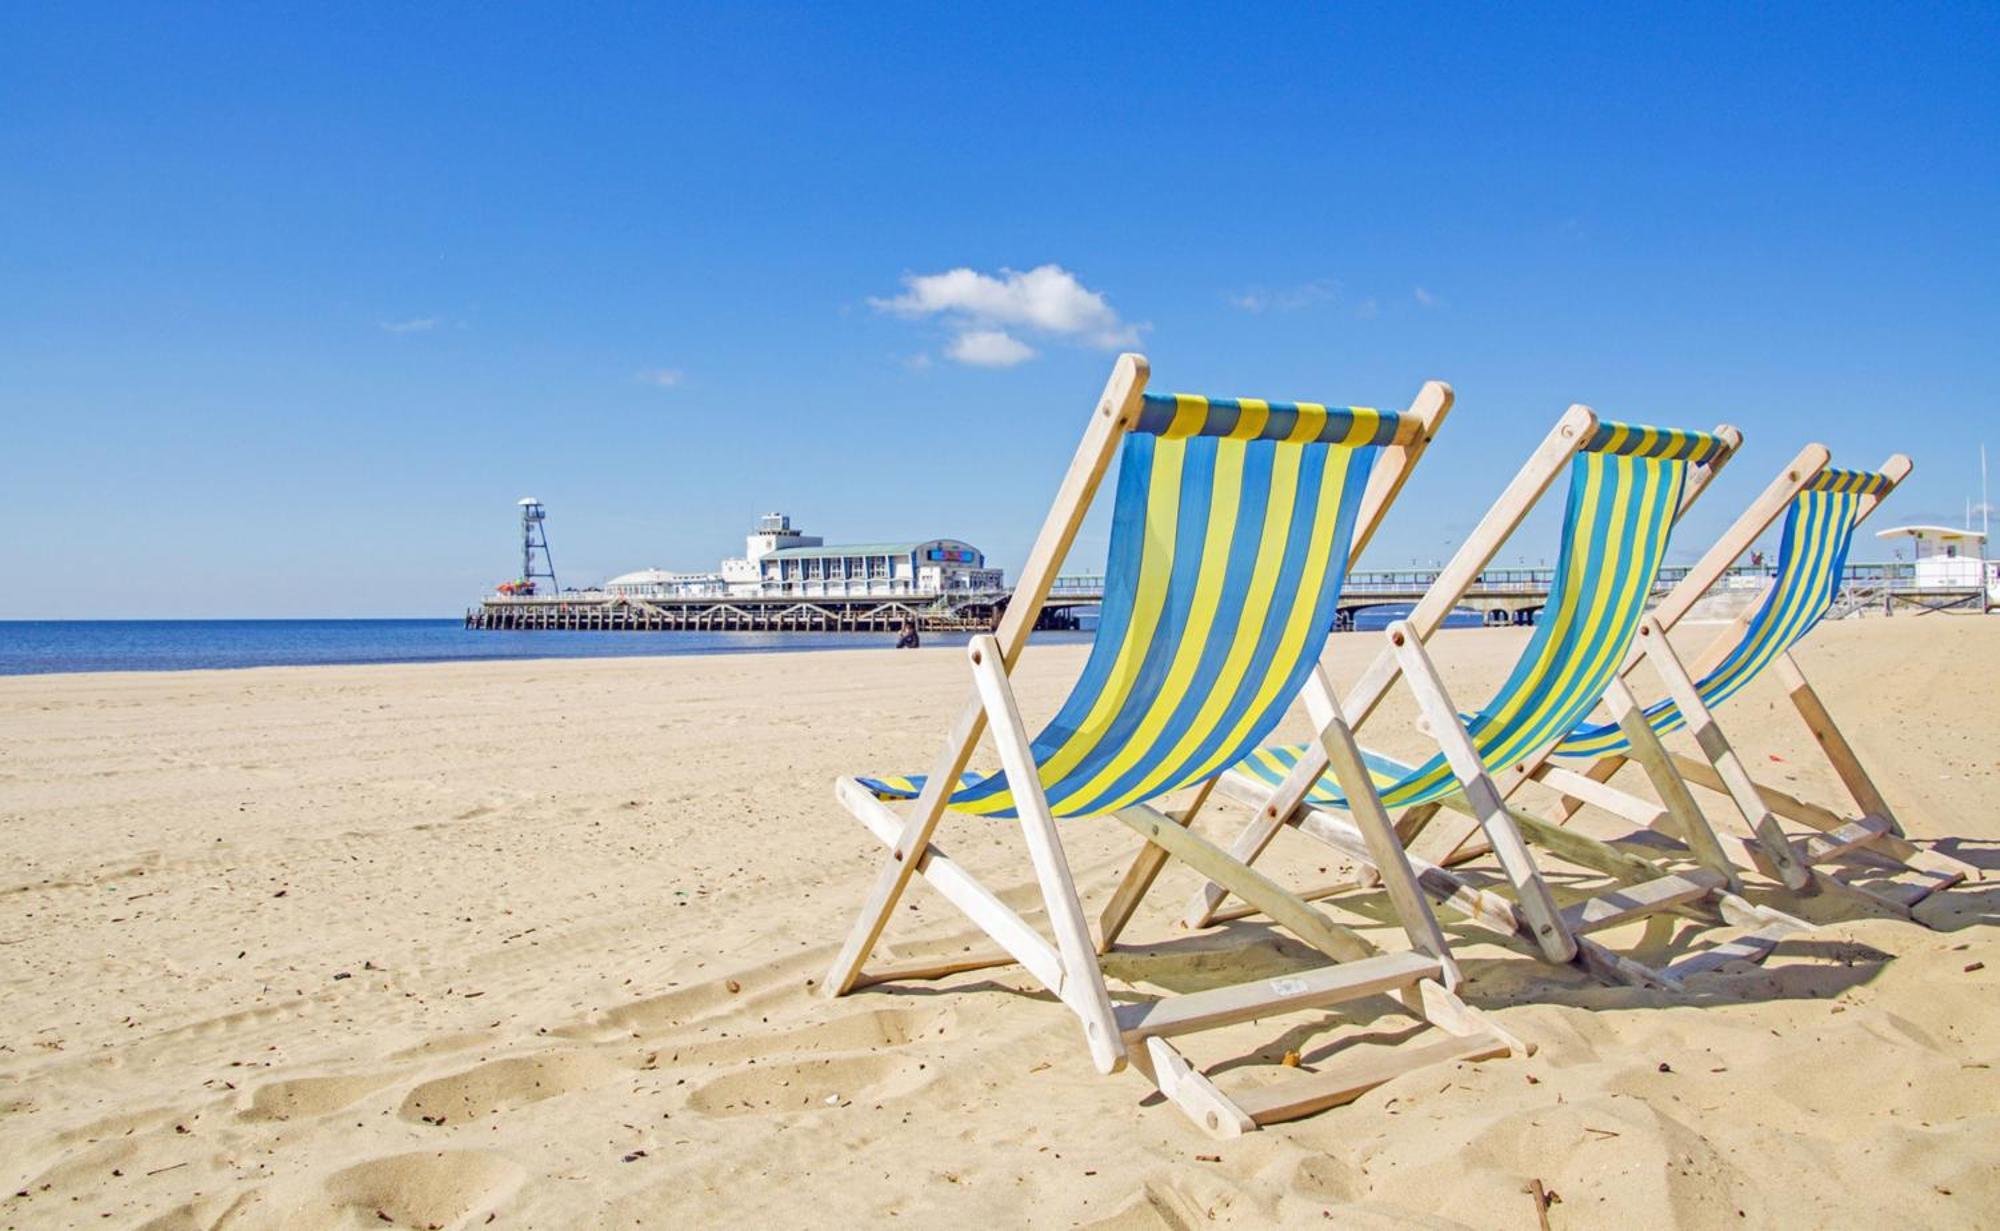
1242, 1002
1302, 1096
1637, 901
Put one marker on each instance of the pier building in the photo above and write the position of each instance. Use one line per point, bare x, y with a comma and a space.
780, 561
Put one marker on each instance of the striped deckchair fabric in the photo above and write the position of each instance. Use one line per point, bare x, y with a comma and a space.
1229, 542
1812, 553
1624, 494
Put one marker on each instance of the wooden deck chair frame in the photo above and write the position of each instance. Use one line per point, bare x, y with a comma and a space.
1558, 935
1422, 978
1873, 828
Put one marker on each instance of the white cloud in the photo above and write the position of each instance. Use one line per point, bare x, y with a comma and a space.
982, 309
989, 348
420, 324
1425, 298
1283, 299
665, 378
1367, 310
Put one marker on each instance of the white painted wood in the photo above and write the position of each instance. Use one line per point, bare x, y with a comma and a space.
962, 889
1356, 1076
1386, 854
1117, 409
1443, 1009
1612, 800
1139, 877
1531, 891
1187, 1088
1285, 909
1707, 734
1751, 947
1629, 902
1038, 827
1242, 1002
1833, 745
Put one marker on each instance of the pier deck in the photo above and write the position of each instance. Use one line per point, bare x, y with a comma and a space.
1501, 596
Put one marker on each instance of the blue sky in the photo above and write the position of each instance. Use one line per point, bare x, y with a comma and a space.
295, 304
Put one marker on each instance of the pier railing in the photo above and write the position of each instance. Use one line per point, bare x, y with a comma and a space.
1501, 595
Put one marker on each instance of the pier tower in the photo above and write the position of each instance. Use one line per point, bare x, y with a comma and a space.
535, 539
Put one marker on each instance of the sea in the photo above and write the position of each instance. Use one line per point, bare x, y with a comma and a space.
40, 647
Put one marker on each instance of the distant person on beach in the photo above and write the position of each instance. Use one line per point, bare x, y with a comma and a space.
908, 641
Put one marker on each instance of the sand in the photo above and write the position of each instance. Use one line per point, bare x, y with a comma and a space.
530, 944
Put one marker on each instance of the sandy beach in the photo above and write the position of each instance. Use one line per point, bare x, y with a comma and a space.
531, 944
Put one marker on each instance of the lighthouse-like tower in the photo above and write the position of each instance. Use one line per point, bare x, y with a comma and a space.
534, 540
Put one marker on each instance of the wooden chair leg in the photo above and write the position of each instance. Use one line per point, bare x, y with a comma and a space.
1248, 846
1386, 853
1652, 756
1038, 826
1532, 891
1771, 839
1839, 753
1138, 878
918, 826
1285, 908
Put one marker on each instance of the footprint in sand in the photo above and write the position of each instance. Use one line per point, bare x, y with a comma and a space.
498, 1085
427, 1189
305, 1097
809, 1085
430, 1188
858, 1032
861, 1057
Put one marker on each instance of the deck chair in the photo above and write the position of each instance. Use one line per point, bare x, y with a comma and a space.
1821, 507
1628, 485
1233, 527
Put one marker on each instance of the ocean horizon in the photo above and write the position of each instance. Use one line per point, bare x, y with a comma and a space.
53, 647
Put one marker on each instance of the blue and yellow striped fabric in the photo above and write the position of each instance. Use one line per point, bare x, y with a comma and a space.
1624, 493
1229, 542
1812, 553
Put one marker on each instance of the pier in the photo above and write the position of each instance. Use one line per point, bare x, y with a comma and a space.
1504, 596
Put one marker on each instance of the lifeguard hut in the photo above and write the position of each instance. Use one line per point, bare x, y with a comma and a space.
1947, 559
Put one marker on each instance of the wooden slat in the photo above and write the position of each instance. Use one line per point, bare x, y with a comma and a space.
1301, 1096
1242, 1002
1838, 752
1751, 947
1488, 909
1363, 882
1190, 1090
1636, 901
1715, 746
1083, 985
1609, 798
1139, 877
1482, 907
1530, 890
1385, 853
922, 970
962, 889
1285, 909
1792, 808
1689, 823
1818, 848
